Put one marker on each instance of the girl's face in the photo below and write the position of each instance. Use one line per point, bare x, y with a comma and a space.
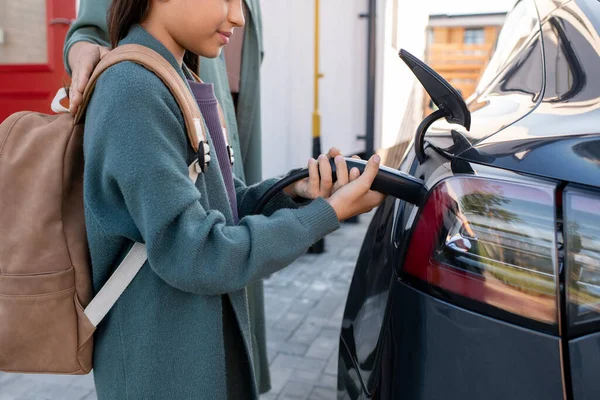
201, 26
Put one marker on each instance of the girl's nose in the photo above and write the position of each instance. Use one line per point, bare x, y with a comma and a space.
236, 14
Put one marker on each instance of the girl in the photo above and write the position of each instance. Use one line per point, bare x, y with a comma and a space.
180, 330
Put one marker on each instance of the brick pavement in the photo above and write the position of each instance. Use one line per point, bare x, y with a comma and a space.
304, 305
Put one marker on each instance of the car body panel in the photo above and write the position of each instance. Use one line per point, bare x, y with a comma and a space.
565, 125
585, 364
365, 310
476, 357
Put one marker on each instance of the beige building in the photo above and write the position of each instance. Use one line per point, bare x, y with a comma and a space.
459, 46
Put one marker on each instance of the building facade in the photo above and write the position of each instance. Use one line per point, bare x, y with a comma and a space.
459, 47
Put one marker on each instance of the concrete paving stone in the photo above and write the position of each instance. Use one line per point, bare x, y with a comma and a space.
347, 273
332, 333
289, 321
306, 332
269, 396
337, 322
283, 304
327, 306
278, 285
311, 259
339, 288
91, 396
287, 274
4, 377
84, 381
349, 253
308, 293
293, 291
322, 347
31, 389
297, 362
278, 335
320, 285
331, 275
302, 306
279, 294
308, 376
322, 322
12, 386
271, 355
327, 381
320, 393
274, 315
25, 386
332, 365
295, 391
339, 312
279, 377
41, 379
284, 347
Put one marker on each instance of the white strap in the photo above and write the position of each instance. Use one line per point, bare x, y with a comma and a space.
56, 106
122, 277
116, 284
194, 171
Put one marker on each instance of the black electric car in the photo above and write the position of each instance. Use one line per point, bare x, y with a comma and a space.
488, 285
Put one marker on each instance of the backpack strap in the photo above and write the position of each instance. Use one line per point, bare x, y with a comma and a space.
154, 62
114, 287
223, 121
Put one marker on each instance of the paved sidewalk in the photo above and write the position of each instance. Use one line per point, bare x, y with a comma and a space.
304, 305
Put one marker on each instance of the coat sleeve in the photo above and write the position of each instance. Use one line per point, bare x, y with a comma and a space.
90, 26
248, 197
135, 131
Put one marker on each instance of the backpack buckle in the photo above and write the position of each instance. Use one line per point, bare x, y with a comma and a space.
230, 153
203, 157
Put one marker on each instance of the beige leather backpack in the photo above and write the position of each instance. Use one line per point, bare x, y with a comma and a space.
47, 314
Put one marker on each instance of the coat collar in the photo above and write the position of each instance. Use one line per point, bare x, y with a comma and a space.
250, 7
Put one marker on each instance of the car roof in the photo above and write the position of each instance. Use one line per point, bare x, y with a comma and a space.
591, 8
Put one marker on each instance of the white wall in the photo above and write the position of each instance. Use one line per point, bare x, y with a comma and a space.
287, 76
287, 80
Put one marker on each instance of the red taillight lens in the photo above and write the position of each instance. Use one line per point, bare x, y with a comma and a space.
582, 225
492, 242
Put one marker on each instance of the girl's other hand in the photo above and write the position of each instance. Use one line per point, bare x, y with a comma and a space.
356, 197
320, 182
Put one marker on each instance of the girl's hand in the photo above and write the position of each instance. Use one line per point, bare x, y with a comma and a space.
320, 182
357, 197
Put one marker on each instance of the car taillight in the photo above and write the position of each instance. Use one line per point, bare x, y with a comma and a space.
582, 225
491, 242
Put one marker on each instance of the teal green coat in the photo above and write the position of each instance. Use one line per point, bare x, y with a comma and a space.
163, 339
91, 26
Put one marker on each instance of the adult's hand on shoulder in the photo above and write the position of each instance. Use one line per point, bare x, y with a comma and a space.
83, 58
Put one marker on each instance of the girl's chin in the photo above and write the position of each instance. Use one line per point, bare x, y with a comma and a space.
212, 53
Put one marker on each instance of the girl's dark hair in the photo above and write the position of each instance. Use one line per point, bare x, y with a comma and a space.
124, 14
192, 61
